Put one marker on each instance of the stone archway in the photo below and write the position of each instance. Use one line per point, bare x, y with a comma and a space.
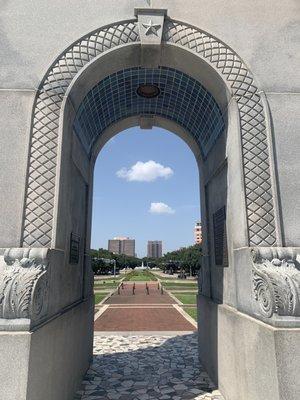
50, 312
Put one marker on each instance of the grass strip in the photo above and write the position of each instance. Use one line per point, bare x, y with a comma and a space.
110, 278
192, 311
174, 285
140, 276
99, 297
104, 284
186, 298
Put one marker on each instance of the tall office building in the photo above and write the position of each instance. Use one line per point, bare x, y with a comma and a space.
154, 249
198, 233
122, 245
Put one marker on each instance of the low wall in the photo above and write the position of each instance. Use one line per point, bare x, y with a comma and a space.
247, 358
49, 362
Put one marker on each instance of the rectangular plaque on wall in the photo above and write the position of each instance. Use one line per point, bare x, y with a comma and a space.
220, 239
74, 249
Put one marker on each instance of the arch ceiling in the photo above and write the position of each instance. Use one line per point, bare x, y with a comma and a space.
181, 99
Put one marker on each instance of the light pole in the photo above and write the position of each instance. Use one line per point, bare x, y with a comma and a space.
114, 261
109, 261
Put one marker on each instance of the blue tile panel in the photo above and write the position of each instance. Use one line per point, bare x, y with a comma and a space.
182, 99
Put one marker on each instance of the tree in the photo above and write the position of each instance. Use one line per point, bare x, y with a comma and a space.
98, 264
187, 259
122, 261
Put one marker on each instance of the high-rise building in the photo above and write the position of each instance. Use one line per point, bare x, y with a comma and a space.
122, 245
154, 249
198, 233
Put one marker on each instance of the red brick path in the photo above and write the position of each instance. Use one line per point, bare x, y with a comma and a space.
141, 311
142, 319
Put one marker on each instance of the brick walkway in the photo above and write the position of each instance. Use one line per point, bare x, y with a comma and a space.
142, 319
141, 307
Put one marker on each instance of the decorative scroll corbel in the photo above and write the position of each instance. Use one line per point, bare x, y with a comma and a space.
276, 281
24, 284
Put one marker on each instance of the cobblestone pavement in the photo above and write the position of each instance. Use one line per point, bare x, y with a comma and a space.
146, 368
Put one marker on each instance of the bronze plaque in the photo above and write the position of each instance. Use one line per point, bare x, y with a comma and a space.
74, 249
220, 239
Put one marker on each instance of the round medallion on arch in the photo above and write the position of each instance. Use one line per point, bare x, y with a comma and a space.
148, 91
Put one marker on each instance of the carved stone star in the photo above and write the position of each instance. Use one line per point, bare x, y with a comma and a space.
151, 28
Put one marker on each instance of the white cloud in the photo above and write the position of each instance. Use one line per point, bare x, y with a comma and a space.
160, 208
145, 172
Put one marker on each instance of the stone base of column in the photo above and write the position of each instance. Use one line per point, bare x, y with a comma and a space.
50, 361
248, 358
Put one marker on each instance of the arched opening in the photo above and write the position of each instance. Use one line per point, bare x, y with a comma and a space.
181, 100
134, 172
202, 116
183, 106
146, 187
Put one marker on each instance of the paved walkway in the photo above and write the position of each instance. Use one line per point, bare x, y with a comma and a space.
141, 307
159, 361
146, 368
142, 319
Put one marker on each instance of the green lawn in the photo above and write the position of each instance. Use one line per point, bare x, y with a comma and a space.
142, 276
186, 298
181, 285
110, 278
106, 284
192, 311
99, 297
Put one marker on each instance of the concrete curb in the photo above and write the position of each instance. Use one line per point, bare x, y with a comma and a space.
173, 297
185, 315
100, 312
105, 298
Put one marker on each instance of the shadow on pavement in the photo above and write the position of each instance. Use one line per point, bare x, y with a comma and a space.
146, 368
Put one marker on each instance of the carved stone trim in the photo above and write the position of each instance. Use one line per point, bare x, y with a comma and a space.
38, 220
24, 284
276, 281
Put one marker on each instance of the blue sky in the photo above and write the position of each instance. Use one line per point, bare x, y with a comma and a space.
146, 186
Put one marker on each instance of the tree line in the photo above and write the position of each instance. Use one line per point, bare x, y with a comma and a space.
185, 260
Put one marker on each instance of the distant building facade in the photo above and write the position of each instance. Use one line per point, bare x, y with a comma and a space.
198, 233
122, 245
154, 249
